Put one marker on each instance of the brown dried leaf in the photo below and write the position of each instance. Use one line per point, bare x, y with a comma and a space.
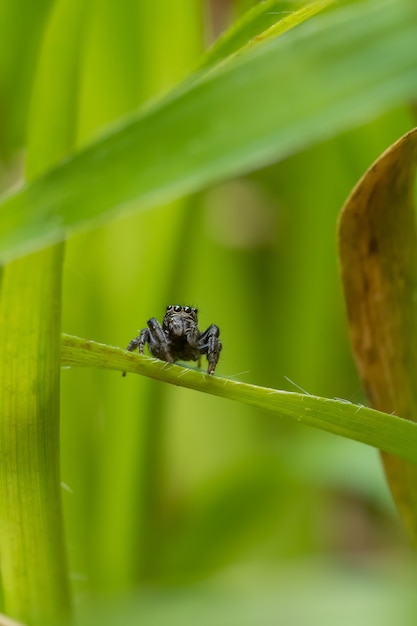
378, 257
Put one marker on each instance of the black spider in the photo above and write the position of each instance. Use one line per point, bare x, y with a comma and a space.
178, 339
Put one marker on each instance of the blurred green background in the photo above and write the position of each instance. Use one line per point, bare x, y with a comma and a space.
206, 506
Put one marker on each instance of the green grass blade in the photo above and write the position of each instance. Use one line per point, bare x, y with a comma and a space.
339, 417
298, 89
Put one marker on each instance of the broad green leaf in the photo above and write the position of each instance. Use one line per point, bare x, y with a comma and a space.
340, 417
311, 83
378, 255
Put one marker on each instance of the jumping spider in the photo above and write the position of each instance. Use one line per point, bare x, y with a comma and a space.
178, 339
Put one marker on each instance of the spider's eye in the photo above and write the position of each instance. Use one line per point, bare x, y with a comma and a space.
187, 309
169, 307
177, 308
195, 310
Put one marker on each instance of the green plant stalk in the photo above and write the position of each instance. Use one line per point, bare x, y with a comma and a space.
34, 571
340, 417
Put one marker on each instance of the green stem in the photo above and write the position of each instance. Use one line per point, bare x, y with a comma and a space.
34, 572
340, 417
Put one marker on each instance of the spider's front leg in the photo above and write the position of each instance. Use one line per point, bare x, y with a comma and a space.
211, 345
138, 342
158, 342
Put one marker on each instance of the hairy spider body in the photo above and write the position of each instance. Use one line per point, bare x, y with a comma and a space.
178, 338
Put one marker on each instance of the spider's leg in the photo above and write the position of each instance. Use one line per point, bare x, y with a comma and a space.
158, 342
193, 337
211, 345
138, 342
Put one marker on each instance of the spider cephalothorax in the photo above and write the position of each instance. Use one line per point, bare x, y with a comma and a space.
178, 339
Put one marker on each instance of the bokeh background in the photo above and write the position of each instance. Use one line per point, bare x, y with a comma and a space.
201, 505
